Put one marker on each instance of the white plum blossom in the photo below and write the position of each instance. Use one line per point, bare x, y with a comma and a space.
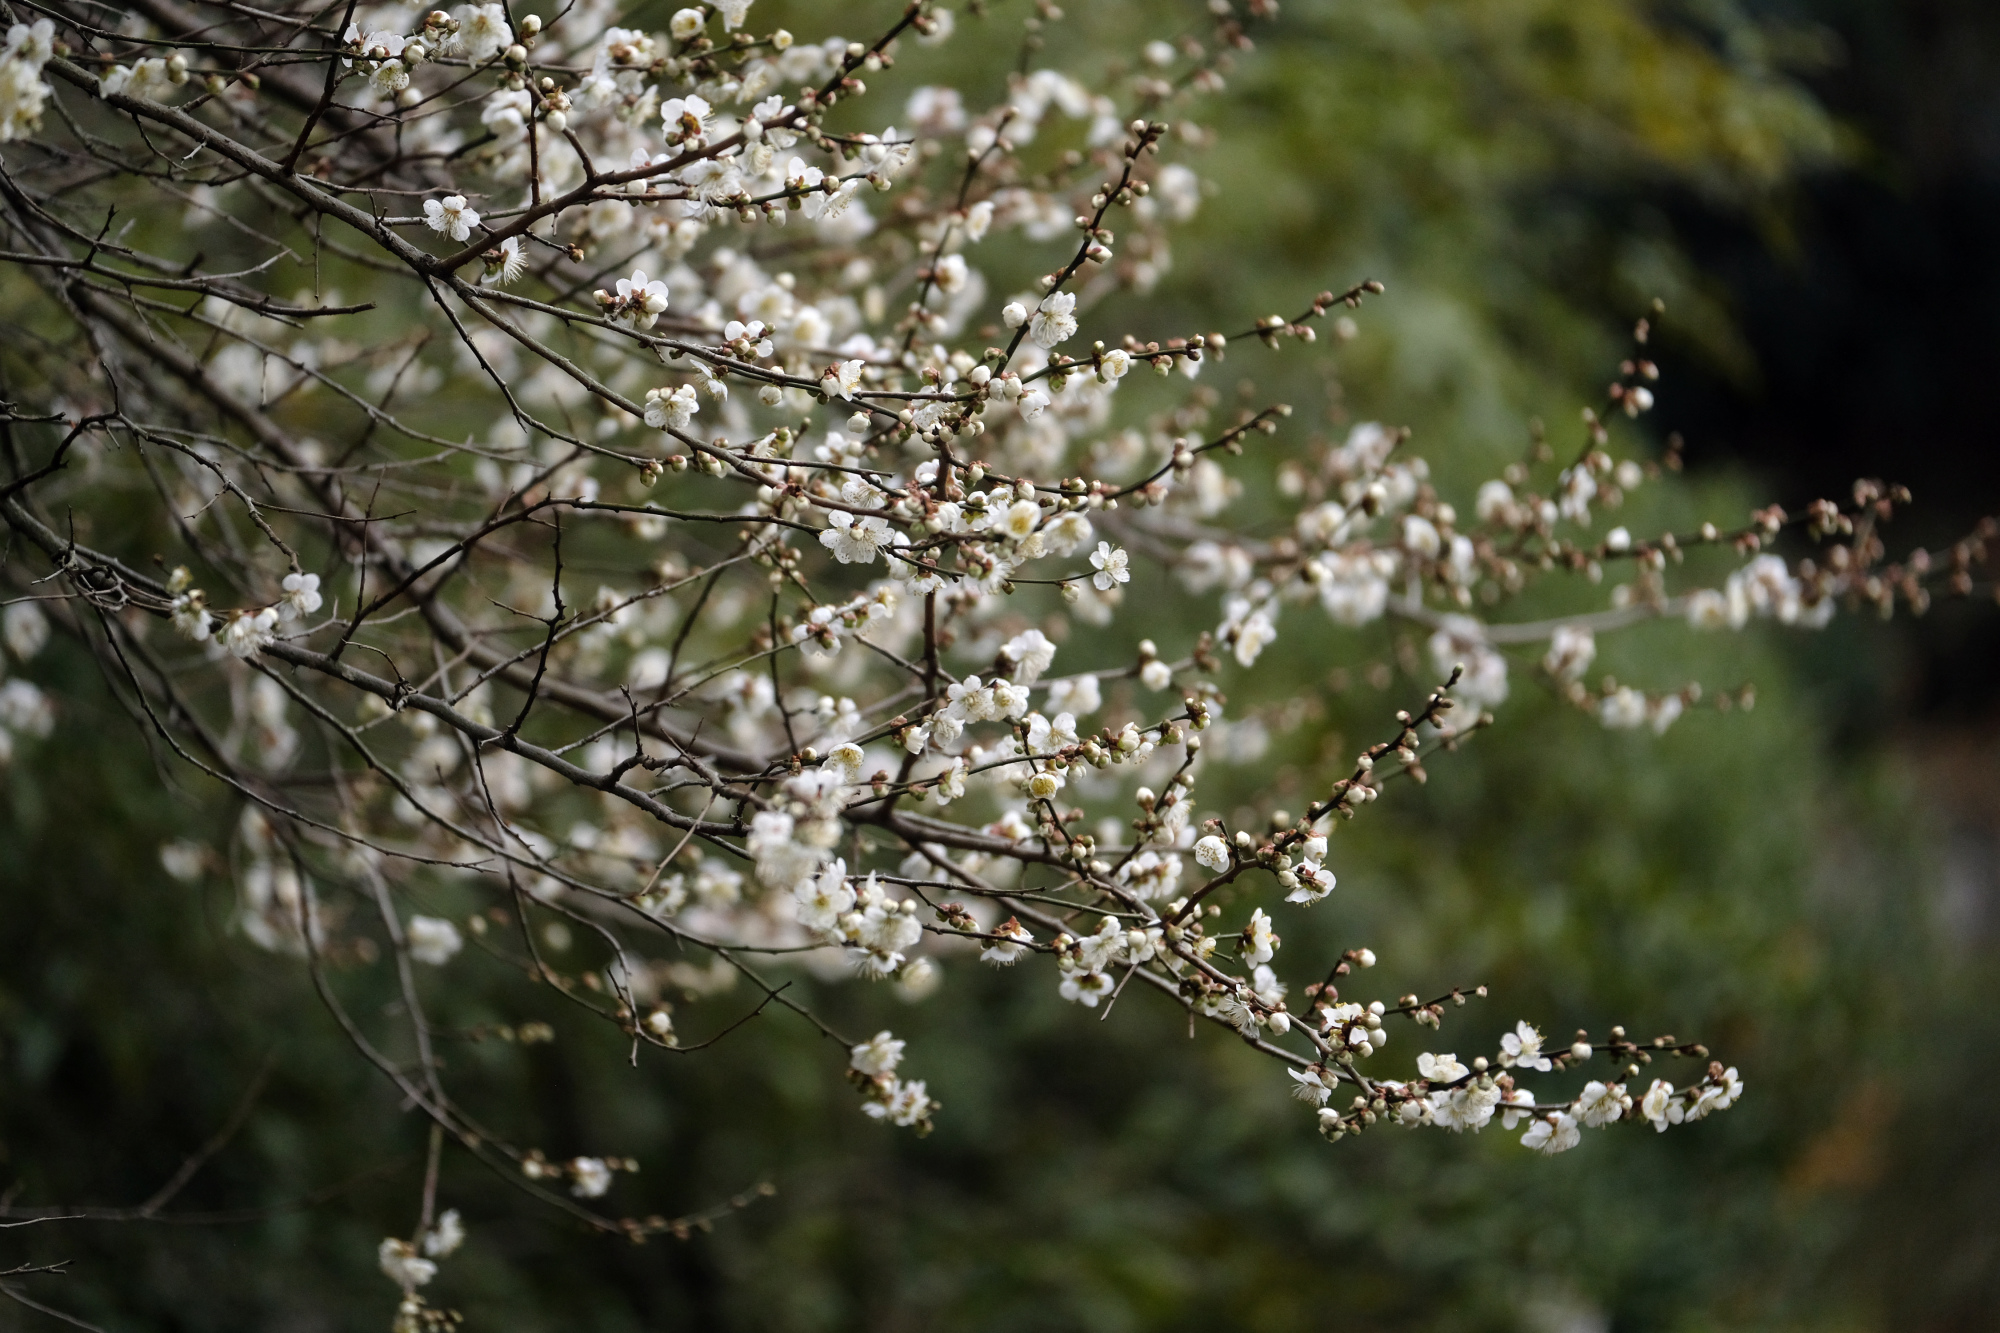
1467, 1107
152, 79
1601, 1103
1011, 946
1031, 653
590, 1177
1111, 563
843, 379
1259, 940
1085, 988
1516, 1106
1462, 643
902, 1104
638, 298
880, 1054
1441, 1068
246, 633
1212, 852
450, 215
672, 409
1623, 709
402, 1265
1053, 321
1080, 695
433, 940
1315, 881
823, 898
686, 118
1661, 1107
1522, 1049
949, 274
1552, 1133
1719, 1094
26, 630
857, 540
483, 32
1309, 1086
1253, 634
1571, 651
510, 262
300, 596
445, 1236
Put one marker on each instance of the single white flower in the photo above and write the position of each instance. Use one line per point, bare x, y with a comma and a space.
1259, 940
1601, 1103
856, 540
639, 298
1253, 636
879, 1055
1552, 1133
685, 117
1661, 1107
1212, 852
1624, 709
451, 215
843, 379
1053, 321
1522, 1049
247, 632
1011, 947
510, 264
483, 32
403, 1265
1085, 988
671, 409
1045, 784
190, 616
950, 783
1013, 314
949, 274
822, 899
1111, 563
1309, 1087
26, 629
1031, 653
433, 940
1315, 880
1571, 651
448, 1233
1440, 1068
904, 1104
591, 1178
301, 596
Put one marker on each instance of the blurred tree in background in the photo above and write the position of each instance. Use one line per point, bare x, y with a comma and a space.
1526, 176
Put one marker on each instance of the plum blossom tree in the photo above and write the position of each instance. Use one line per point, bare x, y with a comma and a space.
679, 541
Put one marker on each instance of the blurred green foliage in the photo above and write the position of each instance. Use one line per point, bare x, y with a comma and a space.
1736, 881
